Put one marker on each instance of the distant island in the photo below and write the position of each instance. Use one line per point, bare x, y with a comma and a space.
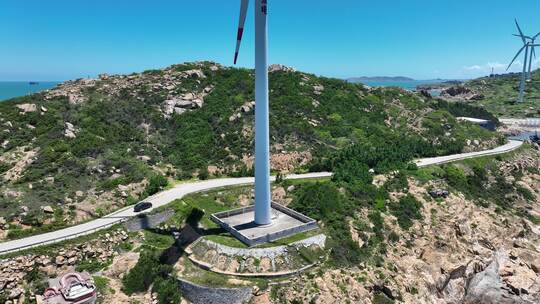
378, 79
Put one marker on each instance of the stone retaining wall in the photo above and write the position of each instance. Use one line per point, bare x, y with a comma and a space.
207, 295
145, 221
271, 254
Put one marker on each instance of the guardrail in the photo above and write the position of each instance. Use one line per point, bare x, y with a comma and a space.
524, 122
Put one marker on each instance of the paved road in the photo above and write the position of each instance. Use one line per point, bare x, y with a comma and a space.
158, 200
165, 197
510, 146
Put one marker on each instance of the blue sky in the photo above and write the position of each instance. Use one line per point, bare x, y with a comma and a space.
58, 39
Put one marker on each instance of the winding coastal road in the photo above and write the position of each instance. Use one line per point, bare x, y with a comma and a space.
524, 122
179, 191
510, 146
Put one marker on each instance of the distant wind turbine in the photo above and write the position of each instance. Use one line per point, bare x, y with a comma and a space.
532, 55
527, 62
262, 134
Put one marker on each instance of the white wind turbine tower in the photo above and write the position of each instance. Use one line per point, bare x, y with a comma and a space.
262, 134
527, 45
532, 54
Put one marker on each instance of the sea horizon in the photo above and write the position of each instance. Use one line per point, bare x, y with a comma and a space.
408, 85
13, 89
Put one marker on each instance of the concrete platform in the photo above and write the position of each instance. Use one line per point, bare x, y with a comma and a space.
285, 222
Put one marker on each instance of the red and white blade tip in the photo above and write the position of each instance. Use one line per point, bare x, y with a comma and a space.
241, 22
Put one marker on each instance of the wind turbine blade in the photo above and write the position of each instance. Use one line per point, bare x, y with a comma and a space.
520, 32
520, 50
522, 36
242, 21
536, 36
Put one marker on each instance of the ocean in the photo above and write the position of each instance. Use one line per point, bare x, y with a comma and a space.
11, 89
408, 85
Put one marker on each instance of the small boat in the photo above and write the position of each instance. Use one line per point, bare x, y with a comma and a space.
33, 83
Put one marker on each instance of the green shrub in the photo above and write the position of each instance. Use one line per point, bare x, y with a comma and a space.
393, 237
92, 265
406, 210
203, 173
36, 280
380, 298
167, 290
102, 284
352, 171
526, 193
456, 177
322, 201
144, 273
155, 184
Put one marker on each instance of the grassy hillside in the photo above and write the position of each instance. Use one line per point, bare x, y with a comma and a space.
501, 94
91, 146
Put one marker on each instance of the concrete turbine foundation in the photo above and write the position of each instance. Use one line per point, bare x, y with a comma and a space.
285, 222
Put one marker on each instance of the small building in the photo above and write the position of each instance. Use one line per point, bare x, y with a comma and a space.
484, 123
71, 288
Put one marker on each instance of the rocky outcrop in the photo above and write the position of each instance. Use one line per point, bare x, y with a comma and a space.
27, 107
502, 282
181, 104
459, 253
168, 80
283, 161
93, 200
122, 264
280, 68
246, 108
318, 89
13, 270
461, 93
70, 131
20, 159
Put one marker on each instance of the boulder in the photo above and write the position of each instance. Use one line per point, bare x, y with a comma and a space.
15, 293
487, 287
197, 103
27, 107
47, 209
317, 89
279, 67
69, 132
188, 96
455, 91
60, 260
194, 74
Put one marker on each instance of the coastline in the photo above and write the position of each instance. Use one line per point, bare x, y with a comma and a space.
13, 89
